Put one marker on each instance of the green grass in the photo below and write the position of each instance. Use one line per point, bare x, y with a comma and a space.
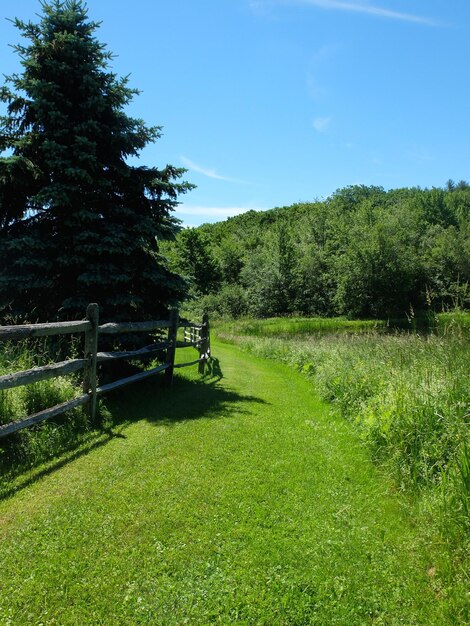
238, 499
288, 327
389, 386
408, 398
453, 321
292, 326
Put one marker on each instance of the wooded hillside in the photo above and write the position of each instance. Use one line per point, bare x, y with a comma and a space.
363, 252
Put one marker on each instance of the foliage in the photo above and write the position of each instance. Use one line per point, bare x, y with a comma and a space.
363, 252
78, 222
269, 275
192, 255
230, 301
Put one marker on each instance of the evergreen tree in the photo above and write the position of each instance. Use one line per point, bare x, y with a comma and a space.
78, 223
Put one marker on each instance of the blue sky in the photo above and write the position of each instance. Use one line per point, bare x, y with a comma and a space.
271, 102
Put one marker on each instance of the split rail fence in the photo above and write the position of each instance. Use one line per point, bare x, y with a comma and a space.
195, 335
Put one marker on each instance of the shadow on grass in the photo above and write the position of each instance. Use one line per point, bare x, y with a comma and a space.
213, 371
18, 478
188, 399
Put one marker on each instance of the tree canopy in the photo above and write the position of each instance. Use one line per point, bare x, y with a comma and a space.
363, 252
78, 222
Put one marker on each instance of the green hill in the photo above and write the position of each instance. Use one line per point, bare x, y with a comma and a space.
363, 252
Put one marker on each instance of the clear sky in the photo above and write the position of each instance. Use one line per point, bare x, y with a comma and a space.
271, 102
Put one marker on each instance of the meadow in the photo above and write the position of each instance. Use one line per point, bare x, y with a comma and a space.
254, 495
239, 498
407, 395
294, 326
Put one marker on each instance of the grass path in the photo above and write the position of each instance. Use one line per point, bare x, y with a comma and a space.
239, 500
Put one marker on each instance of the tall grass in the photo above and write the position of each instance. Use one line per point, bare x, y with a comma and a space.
294, 326
409, 397
39, 443
453, 322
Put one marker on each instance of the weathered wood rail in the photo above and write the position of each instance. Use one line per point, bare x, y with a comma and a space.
194, 335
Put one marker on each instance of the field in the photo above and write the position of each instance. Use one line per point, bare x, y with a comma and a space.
225, 502
407, 396
245, 498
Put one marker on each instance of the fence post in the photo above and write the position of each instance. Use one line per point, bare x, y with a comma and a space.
208, 336
204, 346
91, 349
170, 352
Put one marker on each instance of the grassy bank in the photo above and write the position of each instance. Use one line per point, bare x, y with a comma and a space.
286, 327
453, 322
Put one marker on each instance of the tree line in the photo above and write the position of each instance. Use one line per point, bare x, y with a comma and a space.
80, 223
363, 252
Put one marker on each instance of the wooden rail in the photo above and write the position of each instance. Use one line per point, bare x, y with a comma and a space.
43, 330
195, 336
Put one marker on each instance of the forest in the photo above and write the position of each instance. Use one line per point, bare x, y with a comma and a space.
363, 252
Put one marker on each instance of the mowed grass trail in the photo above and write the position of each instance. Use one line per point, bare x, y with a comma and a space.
237, 500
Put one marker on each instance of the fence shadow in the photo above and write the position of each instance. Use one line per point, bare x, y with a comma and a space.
187, 399
213, 371
18, 478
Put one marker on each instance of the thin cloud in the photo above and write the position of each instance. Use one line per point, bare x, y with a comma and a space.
368, 9
325, 52
321, 124
257, 5
205, 171
322, 56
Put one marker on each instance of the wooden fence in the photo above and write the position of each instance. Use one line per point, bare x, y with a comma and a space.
195, 335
